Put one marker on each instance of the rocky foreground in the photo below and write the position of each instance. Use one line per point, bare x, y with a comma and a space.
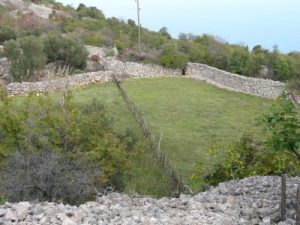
254, 200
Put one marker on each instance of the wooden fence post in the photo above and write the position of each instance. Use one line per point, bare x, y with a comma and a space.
159, 155
283, 197
298, 206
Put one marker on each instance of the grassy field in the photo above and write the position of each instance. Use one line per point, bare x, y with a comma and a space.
145, 177
192, 116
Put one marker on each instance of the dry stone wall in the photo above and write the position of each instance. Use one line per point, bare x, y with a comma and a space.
112, 66
25, 88
4, 67
254, 86
125, 70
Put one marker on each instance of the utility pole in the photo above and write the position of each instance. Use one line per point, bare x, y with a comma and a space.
139, 23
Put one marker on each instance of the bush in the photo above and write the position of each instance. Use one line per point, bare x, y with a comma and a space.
246, 158
67, 50
59, 140
278, 154
284, 125
27, 55
172, 58
92, 12
46, 176
7, 33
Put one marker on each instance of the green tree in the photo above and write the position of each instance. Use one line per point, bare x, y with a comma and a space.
284, 125
172, 57
164, 31
281, 65
92, 12
27, 55
239, 61
67, 50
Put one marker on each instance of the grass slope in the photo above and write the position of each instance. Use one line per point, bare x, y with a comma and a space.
193, 116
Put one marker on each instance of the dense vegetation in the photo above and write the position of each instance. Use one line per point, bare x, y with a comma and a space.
30, 53
66, 148
90, 25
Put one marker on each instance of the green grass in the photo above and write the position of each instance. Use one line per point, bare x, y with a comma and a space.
193, 115
145, 177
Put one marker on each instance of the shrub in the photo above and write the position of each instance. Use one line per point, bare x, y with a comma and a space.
26, 55
46, 176
62, 138
284, 125
171, 57
68, 50
243, 159
92, 12
7, 33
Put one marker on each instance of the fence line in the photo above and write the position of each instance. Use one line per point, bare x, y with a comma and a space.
159, 155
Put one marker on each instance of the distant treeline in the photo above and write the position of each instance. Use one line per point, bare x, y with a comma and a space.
90, 25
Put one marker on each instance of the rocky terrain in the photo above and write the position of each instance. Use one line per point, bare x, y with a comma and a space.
254, 200
27, 7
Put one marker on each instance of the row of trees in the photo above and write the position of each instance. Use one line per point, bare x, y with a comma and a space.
30, 53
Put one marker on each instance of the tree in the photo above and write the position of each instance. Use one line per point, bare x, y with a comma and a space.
69, 51
281, 65
239, 61
165, 33
92, 12
173, 58
284, 125
27, 55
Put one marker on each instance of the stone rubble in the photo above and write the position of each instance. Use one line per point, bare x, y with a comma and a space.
250, 201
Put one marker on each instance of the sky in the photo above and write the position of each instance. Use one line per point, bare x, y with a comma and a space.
248, 22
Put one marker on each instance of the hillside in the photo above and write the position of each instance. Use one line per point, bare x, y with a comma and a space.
90, 25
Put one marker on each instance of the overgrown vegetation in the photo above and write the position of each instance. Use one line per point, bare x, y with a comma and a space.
30, 53
73, 146
79, 140
278, 154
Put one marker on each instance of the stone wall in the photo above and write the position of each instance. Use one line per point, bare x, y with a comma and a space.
137, 70
4, 68
254, 86
24, 88
123, 70
112, 66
